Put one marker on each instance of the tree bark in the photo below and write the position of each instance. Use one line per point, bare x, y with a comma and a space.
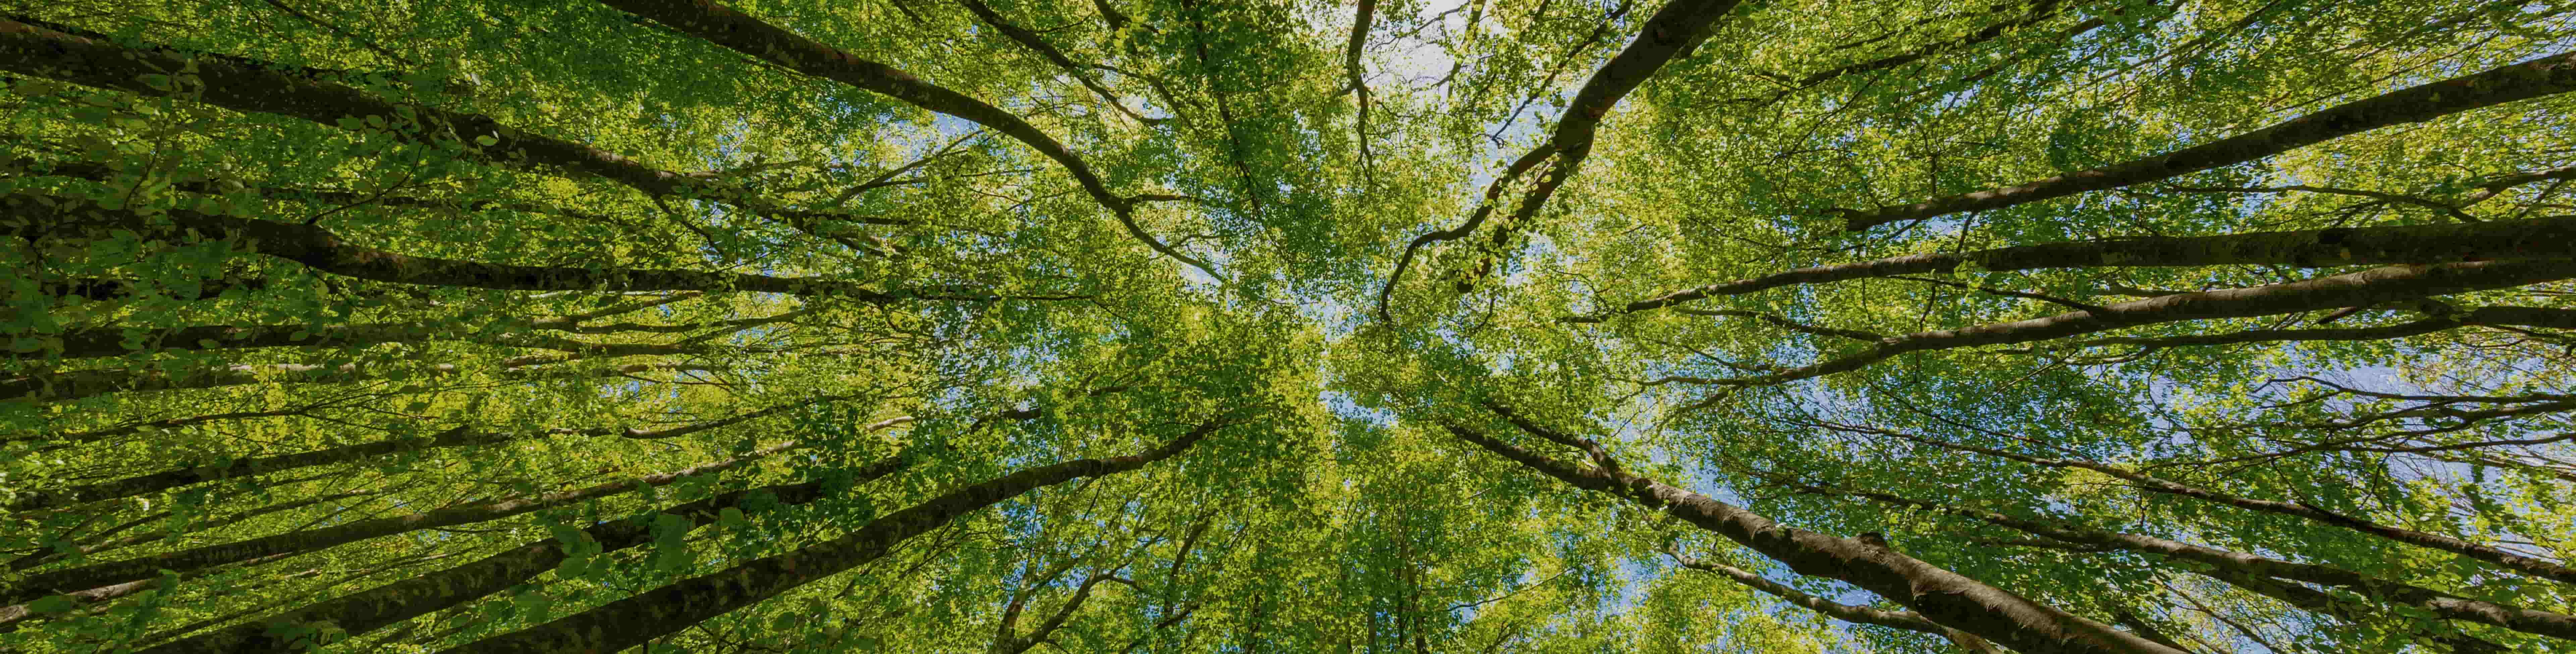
458, 437
1944, 597
238, 84
652, 614
109, 290
1906, 620
2310, 248
2365, 288
1672, 32
2547, 75
375, 608
2492, 556
106, 544
2314, 601
177, 477
103, 574
78, 384
101, 343
2444, 605
737, 31
325, 251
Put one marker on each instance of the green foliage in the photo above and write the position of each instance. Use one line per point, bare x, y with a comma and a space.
425, 326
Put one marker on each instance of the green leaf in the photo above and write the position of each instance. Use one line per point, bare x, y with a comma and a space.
574, 566
52, 604
534, 603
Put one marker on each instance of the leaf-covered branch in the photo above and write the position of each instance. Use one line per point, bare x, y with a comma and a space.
2542, 76
1947, 598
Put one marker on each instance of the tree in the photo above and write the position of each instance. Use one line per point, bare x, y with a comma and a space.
1177, 326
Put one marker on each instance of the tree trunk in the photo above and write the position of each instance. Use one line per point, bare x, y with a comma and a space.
2547, 75
242, 85
2365, 288
78, 384
2310, 248
102, 574
373, 609
1948, 598
636, 620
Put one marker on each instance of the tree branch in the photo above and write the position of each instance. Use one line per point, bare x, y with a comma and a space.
734, 30
2309, 248
1945, 597
2543, 76
2372, 286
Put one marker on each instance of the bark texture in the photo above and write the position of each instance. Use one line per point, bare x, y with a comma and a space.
1906, 620
366, 611
2228, 564
242, 85
77, 384
1671, 33
740, 32
2365, 288
2547, 75
1944, 597
2310, 248
323, 250
2499, 558
639, 619
309, 540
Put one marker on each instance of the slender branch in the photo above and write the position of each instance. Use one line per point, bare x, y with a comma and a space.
301, 541
2039, 11
1671, 33
343, 33
734, 30
2492, 316
1032, 41
2500, 184
2447, 210
1365, 15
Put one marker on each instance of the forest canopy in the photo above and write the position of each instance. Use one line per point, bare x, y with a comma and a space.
1159, 326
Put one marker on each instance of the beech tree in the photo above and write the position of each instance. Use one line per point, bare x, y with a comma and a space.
2086, 326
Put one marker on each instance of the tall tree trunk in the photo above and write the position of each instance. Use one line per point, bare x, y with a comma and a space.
244, 85
2308, 248
78, 384
2481, 552
2365, 288
1906, 620
637, 620
457, 437
103, 574
359, 613
1951, 599
325, 251
2440, 604
2547, 75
